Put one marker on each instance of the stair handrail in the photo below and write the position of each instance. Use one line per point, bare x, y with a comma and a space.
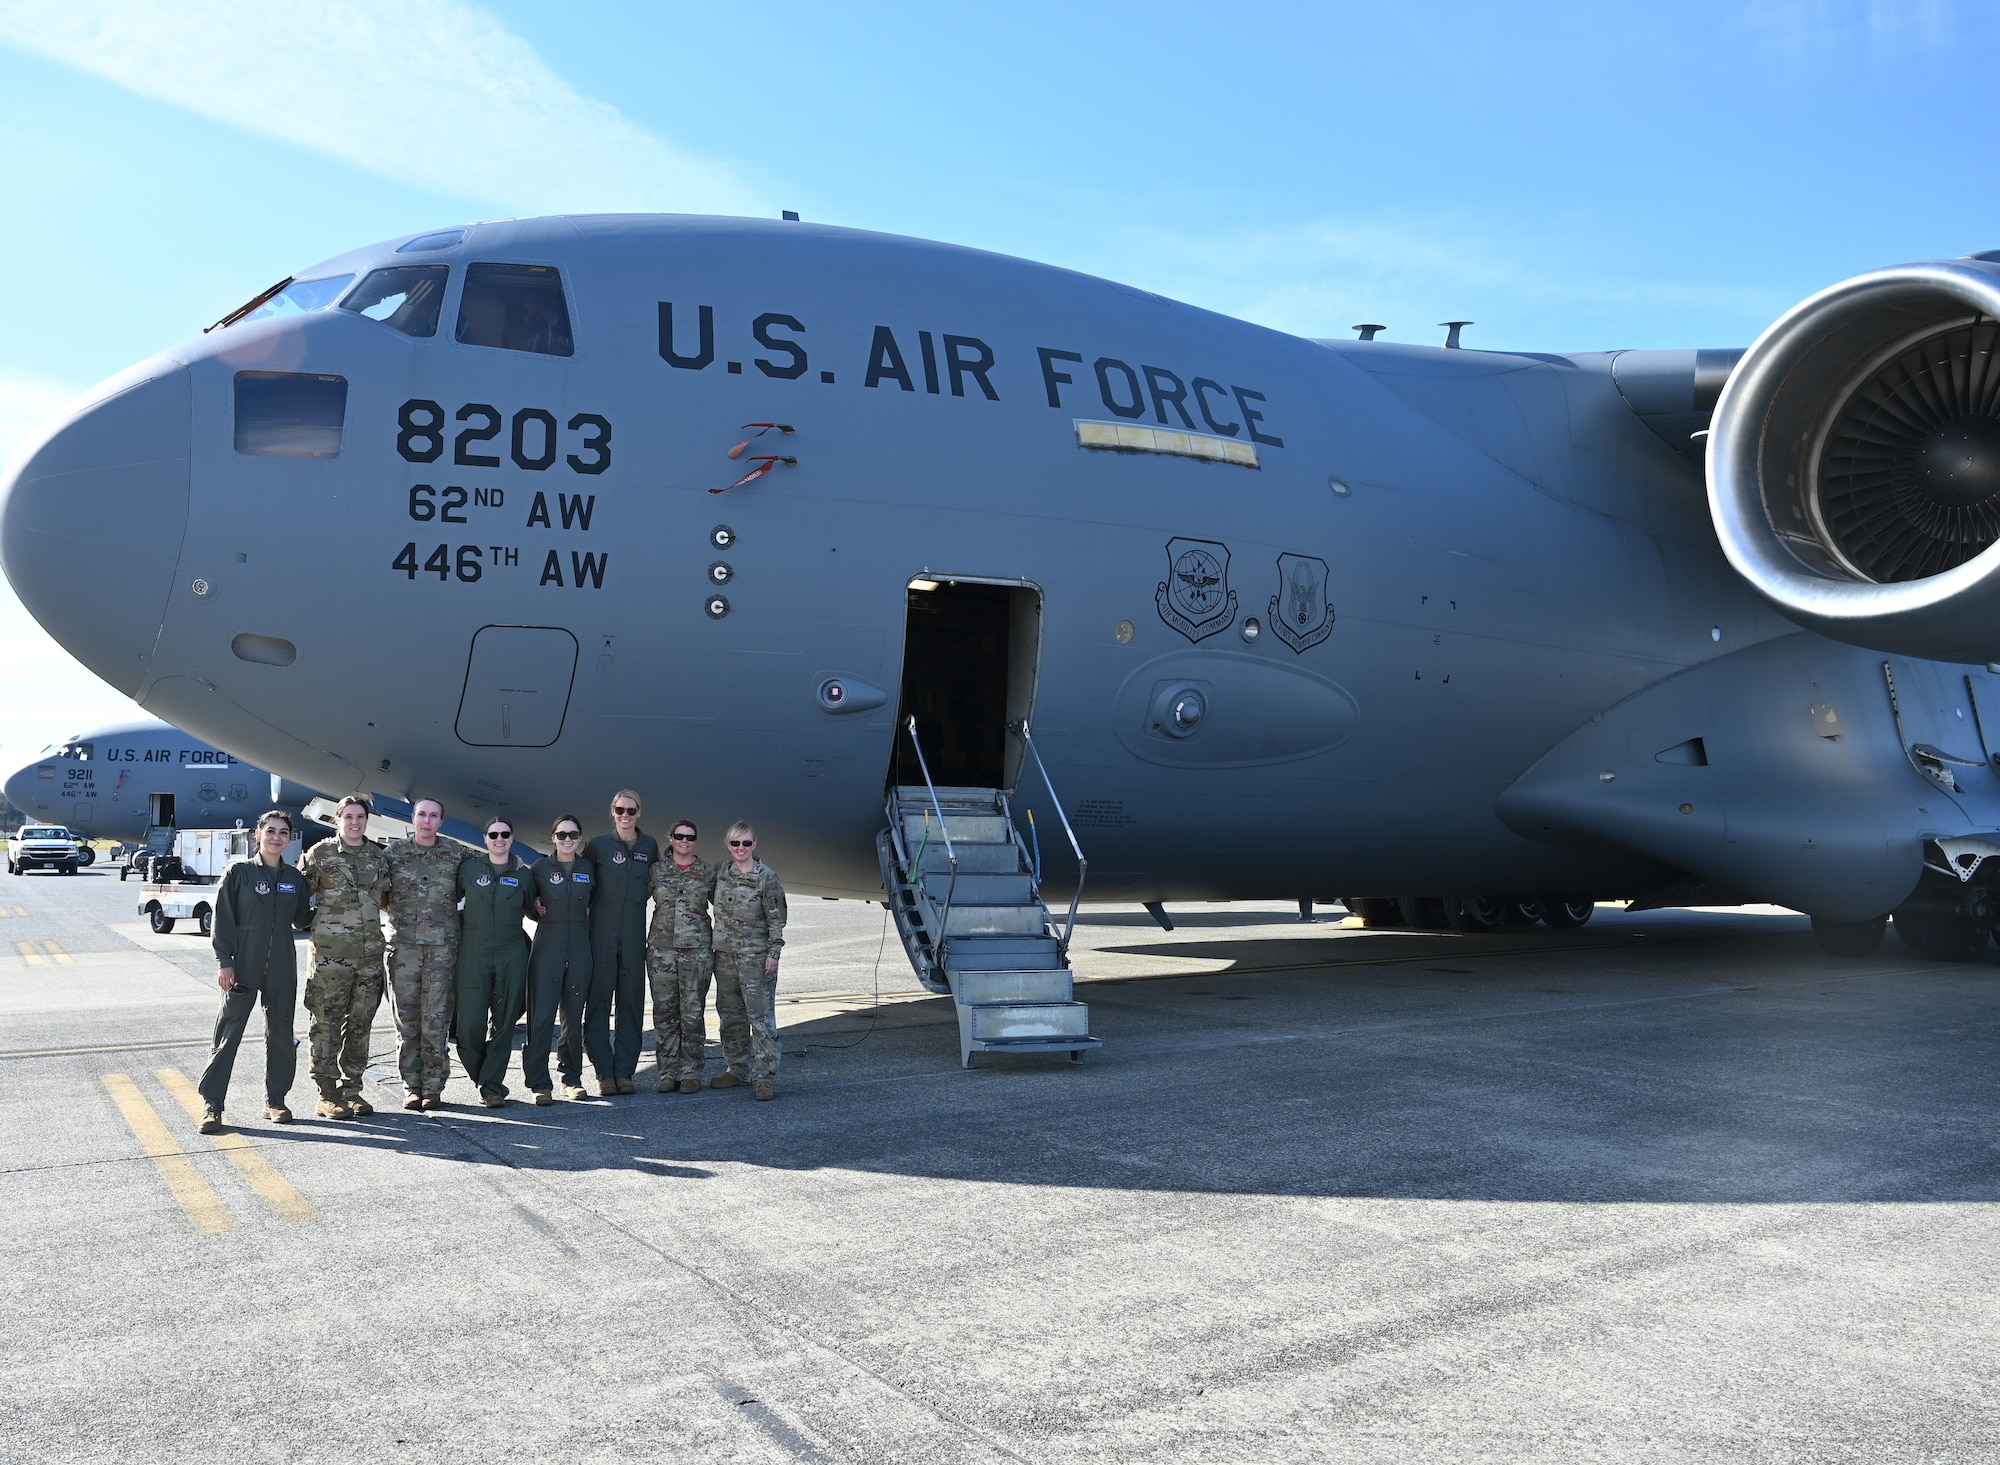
1082, 865
917, 876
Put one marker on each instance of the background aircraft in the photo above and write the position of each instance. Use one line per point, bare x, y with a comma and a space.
1288, 617
103, 784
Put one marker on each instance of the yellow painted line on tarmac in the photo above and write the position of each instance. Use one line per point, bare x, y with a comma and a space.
262, 1175
63, 958
28, 953
20, 910
197, 1197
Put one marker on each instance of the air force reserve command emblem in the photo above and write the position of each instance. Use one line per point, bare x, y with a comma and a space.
1299, 611
1195, 598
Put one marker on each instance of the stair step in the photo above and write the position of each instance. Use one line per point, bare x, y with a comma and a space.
969, 826
994, 920
914, 794
979, 889
1003, 1022
973, 859
975, 988
1002, 953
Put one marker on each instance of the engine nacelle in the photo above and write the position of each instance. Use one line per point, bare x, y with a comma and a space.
1854, 462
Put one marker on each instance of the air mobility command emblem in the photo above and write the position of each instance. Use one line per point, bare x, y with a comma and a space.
1195, 598
1300, 613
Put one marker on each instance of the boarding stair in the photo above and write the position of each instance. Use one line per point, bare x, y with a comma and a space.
966, 894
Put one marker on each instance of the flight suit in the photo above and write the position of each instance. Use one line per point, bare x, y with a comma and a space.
422, 906
257, 907
492, 980
559, 975
344, 972
618, 944
679, 960
749, 926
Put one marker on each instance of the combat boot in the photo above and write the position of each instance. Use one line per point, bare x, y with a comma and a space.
724, 1080
575, 1091
493, 1098
277, 1114
667, 1084
357, 1105
413, 1101
543, 1097
330, 1107
626, 1086
435, 1101
764, 1090
690, 1085
607, 1088
211, 1121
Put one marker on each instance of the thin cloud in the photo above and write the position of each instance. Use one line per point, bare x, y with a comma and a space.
432, 93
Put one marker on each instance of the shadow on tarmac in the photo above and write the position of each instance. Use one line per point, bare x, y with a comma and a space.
1737, 1069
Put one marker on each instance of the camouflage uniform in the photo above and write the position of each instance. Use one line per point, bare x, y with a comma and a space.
422, 906
749, 926
678, 963
344, 972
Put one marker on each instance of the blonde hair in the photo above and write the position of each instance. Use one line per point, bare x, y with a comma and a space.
626, 793
738, 830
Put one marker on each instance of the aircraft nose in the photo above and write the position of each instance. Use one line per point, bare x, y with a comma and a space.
92, 516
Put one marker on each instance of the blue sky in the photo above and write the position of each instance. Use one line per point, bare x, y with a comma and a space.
1568, 176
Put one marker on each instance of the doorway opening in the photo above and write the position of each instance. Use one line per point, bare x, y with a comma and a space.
970, 654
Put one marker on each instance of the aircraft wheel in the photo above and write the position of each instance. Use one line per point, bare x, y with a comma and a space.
1476, 912
163, 925
86, 856
1422, 912
1523, 913
1566, 912
1374, 910
1849, 938
1937, 937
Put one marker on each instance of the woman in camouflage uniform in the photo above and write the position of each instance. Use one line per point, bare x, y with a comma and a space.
678, 960
749, 934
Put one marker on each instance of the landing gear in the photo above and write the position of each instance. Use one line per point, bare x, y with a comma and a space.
1940, 935
1375, 910
1851, 938
1566, 912
1422, 912
1476, 913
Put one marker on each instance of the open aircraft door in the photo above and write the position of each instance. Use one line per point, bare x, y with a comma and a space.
971, 656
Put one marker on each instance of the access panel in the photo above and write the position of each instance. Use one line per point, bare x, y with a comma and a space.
517, 685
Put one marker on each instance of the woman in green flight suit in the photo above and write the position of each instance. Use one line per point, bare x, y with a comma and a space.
495, 891
262, 900
559, 969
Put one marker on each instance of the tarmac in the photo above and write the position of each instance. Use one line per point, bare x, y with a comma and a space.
1674, 1187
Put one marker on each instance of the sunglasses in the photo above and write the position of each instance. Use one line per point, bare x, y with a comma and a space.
682, 838
569, 834
499, 834
621, 809
741, 843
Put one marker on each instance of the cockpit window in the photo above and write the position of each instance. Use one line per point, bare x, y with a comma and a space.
516, 308
443, 239
286, 298
286, 414
406, 298
79, 751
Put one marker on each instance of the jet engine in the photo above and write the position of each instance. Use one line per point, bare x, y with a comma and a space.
1854, 462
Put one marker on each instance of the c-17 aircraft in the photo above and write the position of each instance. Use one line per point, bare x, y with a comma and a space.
882, 543
116, 782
